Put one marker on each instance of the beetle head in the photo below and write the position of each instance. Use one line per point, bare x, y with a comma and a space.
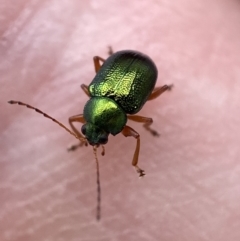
94, 134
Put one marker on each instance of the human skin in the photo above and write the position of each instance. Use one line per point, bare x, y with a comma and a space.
192, 188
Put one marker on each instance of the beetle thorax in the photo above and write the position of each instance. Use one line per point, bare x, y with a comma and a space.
104, 114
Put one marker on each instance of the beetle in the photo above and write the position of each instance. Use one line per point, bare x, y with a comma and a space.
122, 85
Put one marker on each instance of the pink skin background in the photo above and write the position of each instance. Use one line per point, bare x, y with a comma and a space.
192, 188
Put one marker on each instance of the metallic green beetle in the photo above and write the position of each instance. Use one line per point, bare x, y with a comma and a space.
119, 90
122, 85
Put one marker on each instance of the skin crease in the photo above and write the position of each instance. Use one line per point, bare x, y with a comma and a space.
192, 187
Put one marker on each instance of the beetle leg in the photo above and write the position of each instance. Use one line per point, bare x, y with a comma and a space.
158, 91
76, 118
128, 131
146, 122
85, 89
97, 65
110, 50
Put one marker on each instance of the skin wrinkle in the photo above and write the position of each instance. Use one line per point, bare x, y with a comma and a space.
23, 26
176, 212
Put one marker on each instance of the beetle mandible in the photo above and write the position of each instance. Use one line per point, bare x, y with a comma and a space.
120, 88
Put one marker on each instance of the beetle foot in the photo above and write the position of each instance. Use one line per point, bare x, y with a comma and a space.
154, 133
170, 87
75, 147
140, 171
110, 50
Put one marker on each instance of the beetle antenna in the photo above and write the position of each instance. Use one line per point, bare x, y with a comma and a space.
13, 102
98, 185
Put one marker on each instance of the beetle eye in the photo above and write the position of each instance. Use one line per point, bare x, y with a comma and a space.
83, 129
103, 140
